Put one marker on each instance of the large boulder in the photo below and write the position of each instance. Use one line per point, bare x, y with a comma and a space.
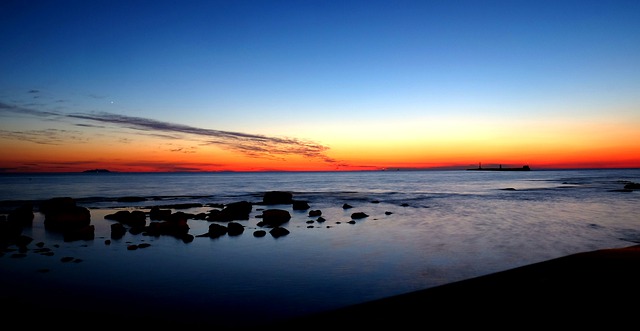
135, 218
22, 215
300, 205
12, 224
358, 215
177, 228
216, 230
63, 214
235, 229
233, 211
277, 198
158, 214
278, 232
274, 217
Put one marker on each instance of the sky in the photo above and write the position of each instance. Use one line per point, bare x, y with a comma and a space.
318, 85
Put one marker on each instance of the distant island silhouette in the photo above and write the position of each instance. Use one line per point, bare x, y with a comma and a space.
501, 168
96, 171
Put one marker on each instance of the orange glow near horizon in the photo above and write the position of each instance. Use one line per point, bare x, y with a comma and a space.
417, 145
27, 157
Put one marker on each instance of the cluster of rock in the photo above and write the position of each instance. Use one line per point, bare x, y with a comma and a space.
62, 214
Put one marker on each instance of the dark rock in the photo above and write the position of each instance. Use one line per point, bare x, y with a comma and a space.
278, 231
23, 241
314, 213
231, 212
22, 216
187, 238
57, 204
358, 215
632, 186
136, 218
173, 228
63, 214
277, 198
275, 217
346, 206
131, 199
179, 217
200, 216
234, 229
120, 216
300, 205
259, 233
117, 230
76, 218
158, 214
136, 230
217, 230
9, 232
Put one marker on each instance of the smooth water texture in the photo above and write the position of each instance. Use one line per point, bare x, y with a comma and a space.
425, 228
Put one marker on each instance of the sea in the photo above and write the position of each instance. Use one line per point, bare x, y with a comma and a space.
422, 229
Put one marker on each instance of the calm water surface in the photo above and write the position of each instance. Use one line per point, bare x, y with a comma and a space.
425, 228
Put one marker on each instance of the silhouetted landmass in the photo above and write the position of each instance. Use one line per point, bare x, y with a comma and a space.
97, 171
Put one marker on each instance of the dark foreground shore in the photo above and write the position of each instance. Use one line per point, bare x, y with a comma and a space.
592, 289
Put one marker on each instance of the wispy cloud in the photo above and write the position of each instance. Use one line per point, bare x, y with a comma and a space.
253, 145
8, 108
44, 137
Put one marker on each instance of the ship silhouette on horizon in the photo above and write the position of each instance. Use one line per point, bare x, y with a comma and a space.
501, 168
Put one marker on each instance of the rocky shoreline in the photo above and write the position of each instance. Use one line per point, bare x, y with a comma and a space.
64, 215
595, 284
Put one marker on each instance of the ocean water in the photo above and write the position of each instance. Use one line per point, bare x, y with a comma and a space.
425, 228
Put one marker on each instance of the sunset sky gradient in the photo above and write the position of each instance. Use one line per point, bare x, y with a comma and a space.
318, 85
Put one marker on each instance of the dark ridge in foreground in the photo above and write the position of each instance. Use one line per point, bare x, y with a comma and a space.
597, 288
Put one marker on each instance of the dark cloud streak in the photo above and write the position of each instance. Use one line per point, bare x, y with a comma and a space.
253, 145
43, 137
27, 111
248, 144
